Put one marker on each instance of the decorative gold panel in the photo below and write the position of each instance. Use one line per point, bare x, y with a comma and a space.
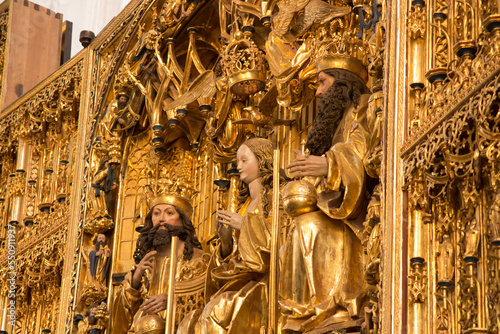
450, 170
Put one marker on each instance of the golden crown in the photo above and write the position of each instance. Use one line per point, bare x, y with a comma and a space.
244, 64
172, 182
336, 46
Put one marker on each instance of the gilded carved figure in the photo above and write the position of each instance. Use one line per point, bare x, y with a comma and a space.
371, 241
284, 54
445, 261
471, 241
103, 183
99, 261
94, 322
117, 122
142, 298
338, 142
119, 115
240, 278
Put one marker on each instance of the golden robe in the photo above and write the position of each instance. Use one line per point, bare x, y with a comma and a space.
346, 169
240, 304
322, 259
126, 304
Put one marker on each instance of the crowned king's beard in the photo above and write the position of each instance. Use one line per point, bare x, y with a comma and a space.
162, 237
331, 107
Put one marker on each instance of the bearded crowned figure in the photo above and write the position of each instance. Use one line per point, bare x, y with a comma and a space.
322, 259
142, 299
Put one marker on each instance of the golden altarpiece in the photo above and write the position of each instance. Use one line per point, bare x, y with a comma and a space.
167, 92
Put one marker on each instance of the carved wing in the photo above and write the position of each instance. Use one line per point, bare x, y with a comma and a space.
287, 10
269, 102
202, 86
319, 12
248, 8
243, 121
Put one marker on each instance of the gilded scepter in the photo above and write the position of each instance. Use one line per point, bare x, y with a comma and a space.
273, 267
169, 317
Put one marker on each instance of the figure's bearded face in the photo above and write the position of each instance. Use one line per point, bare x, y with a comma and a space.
122, 101
166, 223
100, 241
100, 244
161, 225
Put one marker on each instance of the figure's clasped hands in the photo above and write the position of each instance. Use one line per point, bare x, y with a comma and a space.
145, 264
311, 165
154, 304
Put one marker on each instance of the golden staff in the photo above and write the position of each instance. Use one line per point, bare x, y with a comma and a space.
273, 266
169, 318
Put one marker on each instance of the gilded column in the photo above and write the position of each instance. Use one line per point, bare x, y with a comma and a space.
417, 20
418, 250
17, 187
470, 281
445, 264
440, 53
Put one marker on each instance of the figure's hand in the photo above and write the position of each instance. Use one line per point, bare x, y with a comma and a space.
231, 219
225, 223
154, 304
225, 233
146, 263
99, 252
310, 166
121, 121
